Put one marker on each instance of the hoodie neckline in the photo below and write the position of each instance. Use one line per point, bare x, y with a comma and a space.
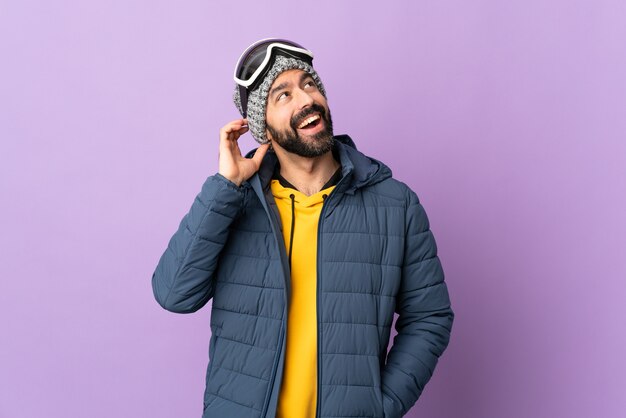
285, 183
294, 196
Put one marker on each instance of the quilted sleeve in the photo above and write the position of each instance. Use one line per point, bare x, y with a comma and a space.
424, 317
183, 279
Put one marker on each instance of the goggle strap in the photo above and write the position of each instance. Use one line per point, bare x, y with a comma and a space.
289, 50
243, 96
274, 48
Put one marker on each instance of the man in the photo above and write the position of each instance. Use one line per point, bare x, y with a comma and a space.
307, 248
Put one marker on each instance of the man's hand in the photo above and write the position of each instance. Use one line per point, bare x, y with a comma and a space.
232, 164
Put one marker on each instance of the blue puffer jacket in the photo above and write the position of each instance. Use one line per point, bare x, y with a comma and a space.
376, 255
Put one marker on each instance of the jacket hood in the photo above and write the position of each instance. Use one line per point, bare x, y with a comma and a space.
359, 169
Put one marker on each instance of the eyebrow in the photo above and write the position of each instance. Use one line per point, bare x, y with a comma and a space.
284, 85
279, 87
304, 76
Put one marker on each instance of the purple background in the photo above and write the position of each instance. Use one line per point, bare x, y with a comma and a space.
508, 120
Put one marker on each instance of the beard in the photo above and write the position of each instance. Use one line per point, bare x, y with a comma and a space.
291, 141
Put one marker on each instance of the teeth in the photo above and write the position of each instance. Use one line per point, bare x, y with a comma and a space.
308, 120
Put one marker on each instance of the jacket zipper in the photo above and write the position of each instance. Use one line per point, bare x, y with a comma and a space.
317, 308
317, 297
273, 378
282, 331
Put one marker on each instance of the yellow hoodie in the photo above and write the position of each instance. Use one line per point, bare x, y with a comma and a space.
298, 393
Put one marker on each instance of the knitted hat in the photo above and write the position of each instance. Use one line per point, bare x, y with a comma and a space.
257, 98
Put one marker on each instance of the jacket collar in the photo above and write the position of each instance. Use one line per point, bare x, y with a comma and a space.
357, 169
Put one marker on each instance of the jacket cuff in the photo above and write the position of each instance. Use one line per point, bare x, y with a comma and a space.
228, 182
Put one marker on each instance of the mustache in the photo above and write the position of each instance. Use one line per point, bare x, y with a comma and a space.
314, 108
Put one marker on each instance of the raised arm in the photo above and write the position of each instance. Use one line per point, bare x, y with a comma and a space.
183, 281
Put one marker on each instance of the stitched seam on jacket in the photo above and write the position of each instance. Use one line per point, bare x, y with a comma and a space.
374, 190
249, 256
418, 233
242, 373
243, 313
375, 206
398, 369
216, 211
248, 284
420, 261
349, 384
198, 268
415, 357
362, 262
356, 323
424, 287
348, 416
363, 233
252, 232
360, 293
352, 354
235, 402
207, 239
245, 343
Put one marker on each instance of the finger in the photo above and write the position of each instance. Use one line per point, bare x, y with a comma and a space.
260, 153
236, 124
237, 131
233, 126
240, 132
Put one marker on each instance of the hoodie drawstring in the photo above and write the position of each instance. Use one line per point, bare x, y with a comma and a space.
293, 224
293, 221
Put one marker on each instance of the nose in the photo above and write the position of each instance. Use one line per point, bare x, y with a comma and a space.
303, 98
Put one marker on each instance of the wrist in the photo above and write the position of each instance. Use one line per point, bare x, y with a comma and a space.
235, 181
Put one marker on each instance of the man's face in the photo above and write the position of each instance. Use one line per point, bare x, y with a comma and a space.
297, 115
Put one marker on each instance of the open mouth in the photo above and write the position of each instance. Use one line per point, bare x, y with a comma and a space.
310, 122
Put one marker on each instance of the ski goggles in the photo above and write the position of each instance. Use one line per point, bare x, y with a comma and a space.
257, 60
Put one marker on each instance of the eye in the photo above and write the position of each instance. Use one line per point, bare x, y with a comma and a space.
282, 96
310, 83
